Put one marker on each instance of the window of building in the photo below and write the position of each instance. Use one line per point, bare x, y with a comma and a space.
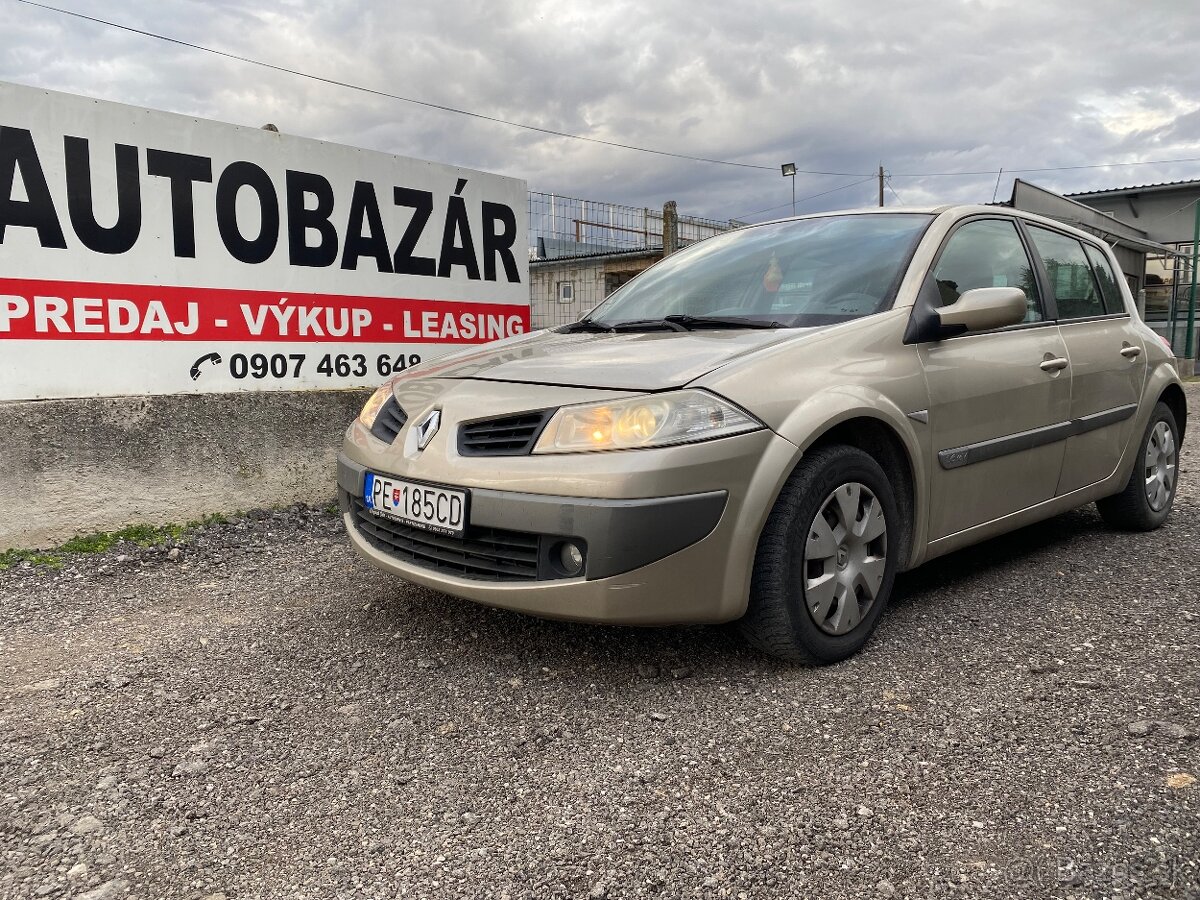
1070, 273
566, 291
613, 280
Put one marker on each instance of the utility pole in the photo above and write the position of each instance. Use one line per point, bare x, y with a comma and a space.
670, 228
881, 184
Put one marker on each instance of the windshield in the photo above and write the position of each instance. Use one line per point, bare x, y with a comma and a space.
791, 274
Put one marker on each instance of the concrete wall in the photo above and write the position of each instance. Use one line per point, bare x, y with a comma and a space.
72, 467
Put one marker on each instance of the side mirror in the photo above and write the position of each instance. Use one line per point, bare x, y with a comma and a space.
983, 309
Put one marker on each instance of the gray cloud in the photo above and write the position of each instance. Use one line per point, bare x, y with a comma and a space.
923, 87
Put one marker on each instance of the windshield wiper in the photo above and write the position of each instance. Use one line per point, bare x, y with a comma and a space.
670, 322
583, 325
674, 322
695, 322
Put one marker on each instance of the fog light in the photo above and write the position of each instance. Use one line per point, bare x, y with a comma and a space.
570, 558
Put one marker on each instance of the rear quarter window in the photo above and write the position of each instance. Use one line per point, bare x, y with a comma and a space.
1110, 291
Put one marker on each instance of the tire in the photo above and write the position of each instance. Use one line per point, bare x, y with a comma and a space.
789, 614
1135, 509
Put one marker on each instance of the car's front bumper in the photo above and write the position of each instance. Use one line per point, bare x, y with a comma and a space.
618, 537
669, 534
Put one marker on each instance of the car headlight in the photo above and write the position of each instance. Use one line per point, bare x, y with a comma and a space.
370, 411
657, 420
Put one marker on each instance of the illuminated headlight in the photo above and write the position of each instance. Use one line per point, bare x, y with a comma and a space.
658, 420
371, 410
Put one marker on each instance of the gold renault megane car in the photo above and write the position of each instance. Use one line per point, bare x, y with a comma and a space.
770, 424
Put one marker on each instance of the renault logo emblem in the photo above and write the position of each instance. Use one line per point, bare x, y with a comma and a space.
427, 427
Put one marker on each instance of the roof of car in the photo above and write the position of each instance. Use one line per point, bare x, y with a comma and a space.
957, 208
966, 209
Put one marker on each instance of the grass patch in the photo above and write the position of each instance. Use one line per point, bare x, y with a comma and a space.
142, 535
103, 541
10, 558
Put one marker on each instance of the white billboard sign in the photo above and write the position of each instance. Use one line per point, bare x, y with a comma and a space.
144, 252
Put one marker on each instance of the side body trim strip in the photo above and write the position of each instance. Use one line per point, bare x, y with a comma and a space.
957, 457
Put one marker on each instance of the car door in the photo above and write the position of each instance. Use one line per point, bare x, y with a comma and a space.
1107, 356
998, 400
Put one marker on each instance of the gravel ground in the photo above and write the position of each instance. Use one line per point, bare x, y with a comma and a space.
262, 715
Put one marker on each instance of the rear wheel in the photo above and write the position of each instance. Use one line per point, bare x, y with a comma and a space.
1146, 500
826, 559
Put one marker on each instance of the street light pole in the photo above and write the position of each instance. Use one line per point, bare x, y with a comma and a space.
788, 170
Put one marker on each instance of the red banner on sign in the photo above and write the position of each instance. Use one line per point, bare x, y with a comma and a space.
67, 310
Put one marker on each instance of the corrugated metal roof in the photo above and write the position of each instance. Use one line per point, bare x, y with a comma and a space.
1157, 186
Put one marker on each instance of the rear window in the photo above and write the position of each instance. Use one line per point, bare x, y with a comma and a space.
1070, 273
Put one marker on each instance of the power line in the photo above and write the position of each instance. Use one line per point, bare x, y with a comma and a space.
809, 197
428, 104
1144, 162
563, 134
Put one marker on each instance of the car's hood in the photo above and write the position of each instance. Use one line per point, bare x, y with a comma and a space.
642, 361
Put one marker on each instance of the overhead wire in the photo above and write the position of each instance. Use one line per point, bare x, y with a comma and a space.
806, 199
1144, 162
1159, 218
389, 95
566, 134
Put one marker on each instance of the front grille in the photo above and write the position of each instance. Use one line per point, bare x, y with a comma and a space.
505, 436
390, 420
485, 554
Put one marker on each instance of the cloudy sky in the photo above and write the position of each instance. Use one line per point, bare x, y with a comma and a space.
837, 86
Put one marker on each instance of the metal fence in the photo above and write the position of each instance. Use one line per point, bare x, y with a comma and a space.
562, 227
580, 251
1168, 295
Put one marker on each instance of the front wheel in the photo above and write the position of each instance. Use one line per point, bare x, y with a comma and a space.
1146, 500
826, 559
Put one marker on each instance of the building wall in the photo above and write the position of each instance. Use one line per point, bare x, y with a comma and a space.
587, 289
591, 280
1167, 216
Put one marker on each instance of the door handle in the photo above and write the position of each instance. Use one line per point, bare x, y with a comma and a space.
1130, 352
1053, 364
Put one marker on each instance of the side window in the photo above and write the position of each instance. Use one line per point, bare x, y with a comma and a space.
987, 253
1109, 289
1070, 274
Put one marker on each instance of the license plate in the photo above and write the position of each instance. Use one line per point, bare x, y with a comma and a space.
423, 505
